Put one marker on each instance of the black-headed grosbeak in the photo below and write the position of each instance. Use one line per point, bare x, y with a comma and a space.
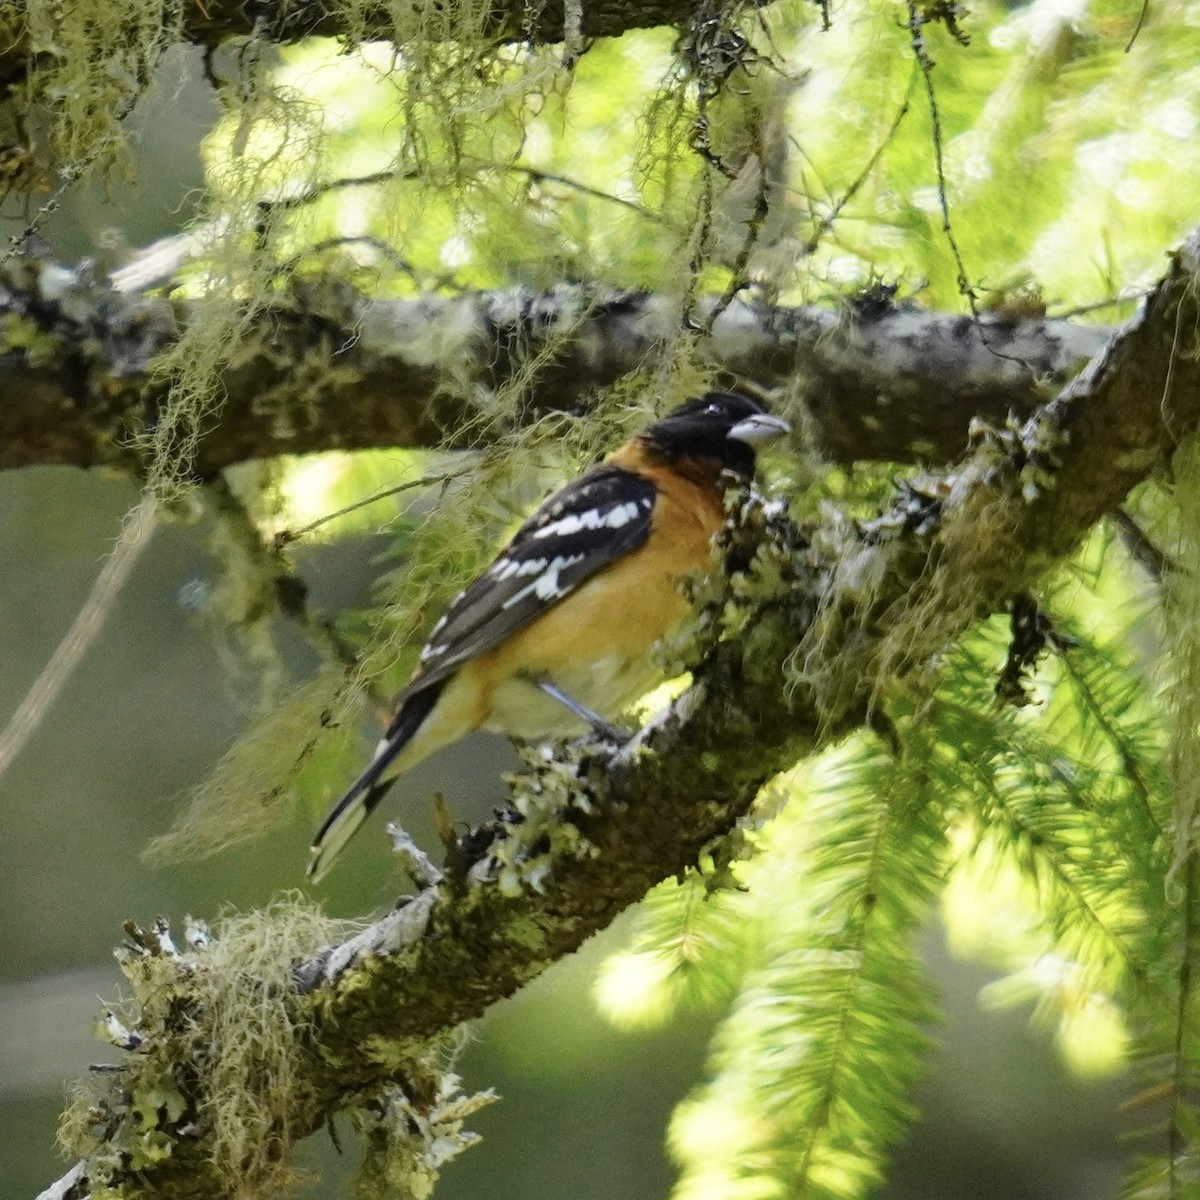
558, 633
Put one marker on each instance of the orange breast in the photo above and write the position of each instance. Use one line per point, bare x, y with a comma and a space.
598, 643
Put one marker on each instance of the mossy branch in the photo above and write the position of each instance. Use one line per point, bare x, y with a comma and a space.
330, 369
601, 824
217, 21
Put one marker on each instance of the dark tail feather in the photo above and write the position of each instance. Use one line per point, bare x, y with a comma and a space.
365, 793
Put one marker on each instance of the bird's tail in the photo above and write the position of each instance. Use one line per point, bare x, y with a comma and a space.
365, 793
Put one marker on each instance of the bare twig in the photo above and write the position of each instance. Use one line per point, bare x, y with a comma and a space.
826, 223
133, 540
916, 29
1145, 10
1142, 549
286, 536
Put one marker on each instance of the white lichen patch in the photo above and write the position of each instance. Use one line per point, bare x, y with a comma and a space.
411, 1138
538, 833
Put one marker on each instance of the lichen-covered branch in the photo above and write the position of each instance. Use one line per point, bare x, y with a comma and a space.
331, 370
280, 22
851, 610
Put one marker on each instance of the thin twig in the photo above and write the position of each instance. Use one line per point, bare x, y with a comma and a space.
383, 248
916, 26
133, 540
826, 223
71, 174
312, 193
1141, 548
1138, 27
584, 190
286, 536
700, 236
1082, 310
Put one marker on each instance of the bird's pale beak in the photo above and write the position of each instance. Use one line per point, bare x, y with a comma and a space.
759, 429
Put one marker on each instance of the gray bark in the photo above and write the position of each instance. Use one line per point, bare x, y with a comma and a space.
345, 372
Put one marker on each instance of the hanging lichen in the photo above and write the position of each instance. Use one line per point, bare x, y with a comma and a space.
223, 1005
96, 58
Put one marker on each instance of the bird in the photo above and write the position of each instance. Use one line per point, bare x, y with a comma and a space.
558, 633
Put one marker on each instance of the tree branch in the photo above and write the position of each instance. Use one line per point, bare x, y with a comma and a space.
333, 370
216, 21
211, 23
601, 824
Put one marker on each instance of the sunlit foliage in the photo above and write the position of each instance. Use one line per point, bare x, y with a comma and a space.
1045, 829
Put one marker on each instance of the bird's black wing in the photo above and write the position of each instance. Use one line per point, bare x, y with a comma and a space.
601, 516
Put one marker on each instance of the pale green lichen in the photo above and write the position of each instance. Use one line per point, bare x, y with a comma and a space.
411, 1138
24, 334
94, 59
541, 834
250, 790
216, 1034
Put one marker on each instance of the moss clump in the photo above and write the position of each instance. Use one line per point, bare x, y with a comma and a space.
96, 58
216, 1035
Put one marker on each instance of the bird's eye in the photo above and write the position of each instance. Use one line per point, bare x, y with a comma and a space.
714, 410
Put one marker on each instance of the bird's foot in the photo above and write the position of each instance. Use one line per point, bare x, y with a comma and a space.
600, 726
617, 734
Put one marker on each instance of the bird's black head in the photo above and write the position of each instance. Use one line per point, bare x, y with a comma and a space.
722, 427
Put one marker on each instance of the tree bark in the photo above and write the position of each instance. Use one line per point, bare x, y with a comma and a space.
335, 370
603, 823
216, 21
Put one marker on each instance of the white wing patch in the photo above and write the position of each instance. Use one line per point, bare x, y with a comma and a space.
592, 518
604, 515
433, 648
507, 568
546, 585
